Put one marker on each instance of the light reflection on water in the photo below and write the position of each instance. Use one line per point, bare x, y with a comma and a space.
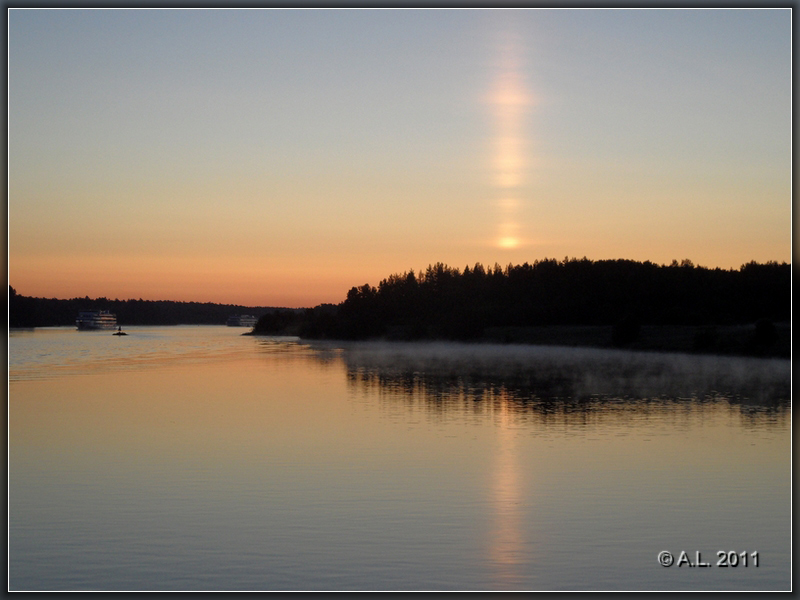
507, 548
202, 459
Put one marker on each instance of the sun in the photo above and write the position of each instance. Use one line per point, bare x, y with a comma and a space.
508, 242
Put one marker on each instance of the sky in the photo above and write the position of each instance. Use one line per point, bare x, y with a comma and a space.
279, 157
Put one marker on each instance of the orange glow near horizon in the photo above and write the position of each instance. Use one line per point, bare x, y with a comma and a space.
221, 280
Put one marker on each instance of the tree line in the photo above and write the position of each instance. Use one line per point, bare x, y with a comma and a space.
26, 311
444, 302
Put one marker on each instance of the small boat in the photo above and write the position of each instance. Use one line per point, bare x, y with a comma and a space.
119, 332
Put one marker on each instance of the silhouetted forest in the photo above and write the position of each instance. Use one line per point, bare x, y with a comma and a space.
501, 304
24, 311
621, 303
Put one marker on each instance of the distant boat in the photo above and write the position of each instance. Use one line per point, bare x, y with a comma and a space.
89, 320
119, 332
242, 321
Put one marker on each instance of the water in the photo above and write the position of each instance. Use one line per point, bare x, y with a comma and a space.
194, 458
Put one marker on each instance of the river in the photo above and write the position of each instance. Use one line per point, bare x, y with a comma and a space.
195, 458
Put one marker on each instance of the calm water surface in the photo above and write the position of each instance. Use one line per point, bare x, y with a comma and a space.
196, 458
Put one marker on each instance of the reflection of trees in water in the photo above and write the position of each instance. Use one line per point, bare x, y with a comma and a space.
567, 383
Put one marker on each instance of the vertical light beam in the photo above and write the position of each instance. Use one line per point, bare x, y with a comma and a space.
510, 103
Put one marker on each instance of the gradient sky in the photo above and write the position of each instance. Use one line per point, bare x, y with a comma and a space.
280, 157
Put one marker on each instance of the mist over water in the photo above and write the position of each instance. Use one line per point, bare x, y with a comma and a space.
551, 373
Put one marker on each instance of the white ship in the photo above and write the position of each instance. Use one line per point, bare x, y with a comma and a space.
96, 319
242, 321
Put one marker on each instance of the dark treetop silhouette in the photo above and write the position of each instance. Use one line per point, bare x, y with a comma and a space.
514, 304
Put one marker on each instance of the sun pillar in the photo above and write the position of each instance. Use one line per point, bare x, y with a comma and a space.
510, 103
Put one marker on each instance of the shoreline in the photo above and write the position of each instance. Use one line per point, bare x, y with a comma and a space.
727, 340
